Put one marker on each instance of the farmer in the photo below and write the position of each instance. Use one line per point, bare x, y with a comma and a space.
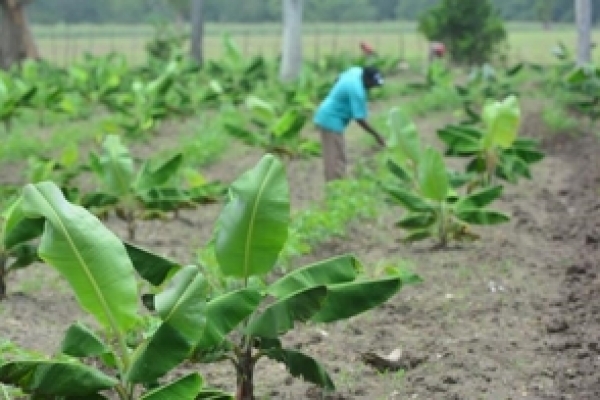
437, 50
346, 101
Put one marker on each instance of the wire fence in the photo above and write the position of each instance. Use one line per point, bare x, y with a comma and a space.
63, 44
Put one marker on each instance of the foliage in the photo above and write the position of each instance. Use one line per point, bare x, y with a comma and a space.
346, 201
275, 129
584, 85
496, 151
133, 354
250, 234
149, 192
15, 94
130, 11
48, 89
424, 187
17, 247
96, 78
472, 31
485, 83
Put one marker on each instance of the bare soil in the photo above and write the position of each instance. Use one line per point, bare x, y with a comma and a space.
513, 316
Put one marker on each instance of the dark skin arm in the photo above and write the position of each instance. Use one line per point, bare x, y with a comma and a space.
365, 125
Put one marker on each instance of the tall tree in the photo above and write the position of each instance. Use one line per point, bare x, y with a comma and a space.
291, 57
16, 40
472, 30
545, 11
197, 30
583, 16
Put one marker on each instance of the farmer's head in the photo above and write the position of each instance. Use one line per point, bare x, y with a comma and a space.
371, 77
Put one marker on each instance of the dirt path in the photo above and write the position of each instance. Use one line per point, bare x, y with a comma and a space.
512, 316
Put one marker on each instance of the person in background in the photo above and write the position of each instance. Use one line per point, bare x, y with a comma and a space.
346, 101
437, 50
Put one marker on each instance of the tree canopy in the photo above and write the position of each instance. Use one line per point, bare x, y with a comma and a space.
136, 11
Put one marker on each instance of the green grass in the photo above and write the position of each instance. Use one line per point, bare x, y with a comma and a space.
65, 43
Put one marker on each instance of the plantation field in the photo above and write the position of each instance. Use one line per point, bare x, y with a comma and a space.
149, 154
486, 323
64, 43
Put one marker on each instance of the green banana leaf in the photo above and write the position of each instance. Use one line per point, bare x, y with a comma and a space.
182, 309
81, 341
18, 228
253, 227
417, 221
114, 166
279, 317
460, 140
87, 255
152, 267
502, 121
152, 176
433, 177
301, 365
480, 198
410, 201
338, 269
186, 388
481, 217
399, 172
346, 300
22, 255
55, 378
225, 313
404, 135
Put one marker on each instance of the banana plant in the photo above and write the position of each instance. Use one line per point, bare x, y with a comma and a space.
274, 130
15, 95
97, 78
428, 191
485, 82
246, 323
49, 87
134, 356
495, 151
17, 247
583, 83
236, 75
149, 192
142, 108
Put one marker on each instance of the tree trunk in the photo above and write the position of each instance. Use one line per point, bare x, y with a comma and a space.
583, 17
16, 40
197, 31
291, 61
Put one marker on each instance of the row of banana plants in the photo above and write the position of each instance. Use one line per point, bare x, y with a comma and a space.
443, 204
168, 84
139, 338
155, 188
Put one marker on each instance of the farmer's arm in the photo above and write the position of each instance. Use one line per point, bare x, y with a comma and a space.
367, 127
358, 106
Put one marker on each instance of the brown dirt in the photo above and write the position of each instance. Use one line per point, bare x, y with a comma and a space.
513, 316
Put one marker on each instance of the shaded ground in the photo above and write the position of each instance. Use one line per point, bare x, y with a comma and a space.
512, 316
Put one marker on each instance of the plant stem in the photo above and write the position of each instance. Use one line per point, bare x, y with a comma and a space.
131, 225
122, 393
3, 260
245, 372
442, 227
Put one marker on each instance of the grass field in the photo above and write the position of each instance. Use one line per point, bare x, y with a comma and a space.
65, 43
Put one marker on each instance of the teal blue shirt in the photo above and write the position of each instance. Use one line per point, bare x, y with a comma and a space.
346, 101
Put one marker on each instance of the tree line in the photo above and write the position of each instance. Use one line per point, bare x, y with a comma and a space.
147, 11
